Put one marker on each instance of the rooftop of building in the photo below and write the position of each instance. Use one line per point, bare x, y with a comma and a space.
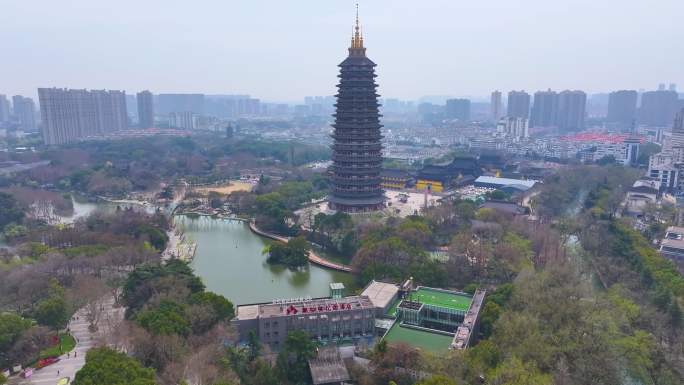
337, 286
442, 298
380, 293
314, 306
460, 165
328, 367
464, 332
644, 190
505, 181
394, 173
245, 312
674, 237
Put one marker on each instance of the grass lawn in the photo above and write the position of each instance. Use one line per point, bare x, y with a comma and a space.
67, 342
438, 298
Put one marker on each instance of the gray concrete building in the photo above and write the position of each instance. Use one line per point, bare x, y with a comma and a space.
24, 112
496, 106
658, 108
4, 109
145, 109
622, 108
335, 319
458, 109
518, 104
545, 109
326, 319
168, 103
571, 110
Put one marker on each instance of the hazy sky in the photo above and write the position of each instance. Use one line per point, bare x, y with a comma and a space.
282, 50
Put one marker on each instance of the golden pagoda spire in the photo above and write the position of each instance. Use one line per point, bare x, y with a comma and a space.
357, 37
358, 40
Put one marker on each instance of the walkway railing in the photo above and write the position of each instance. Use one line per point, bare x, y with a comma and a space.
313, 257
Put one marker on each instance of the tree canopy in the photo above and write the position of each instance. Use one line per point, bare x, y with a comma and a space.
105, 366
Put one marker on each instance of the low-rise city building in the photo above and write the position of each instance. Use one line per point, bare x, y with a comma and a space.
672, 246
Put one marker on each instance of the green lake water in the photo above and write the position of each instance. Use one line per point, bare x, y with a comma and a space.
230, 261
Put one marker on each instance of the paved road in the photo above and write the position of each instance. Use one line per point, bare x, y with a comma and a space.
68, 366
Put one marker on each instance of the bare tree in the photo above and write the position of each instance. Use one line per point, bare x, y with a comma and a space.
90, 292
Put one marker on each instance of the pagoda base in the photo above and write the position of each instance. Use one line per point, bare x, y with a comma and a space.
356, 206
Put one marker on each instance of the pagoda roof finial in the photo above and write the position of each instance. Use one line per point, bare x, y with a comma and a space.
357, 38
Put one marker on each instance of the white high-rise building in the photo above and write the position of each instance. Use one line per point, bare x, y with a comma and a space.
69, 115
517, 128
186, 120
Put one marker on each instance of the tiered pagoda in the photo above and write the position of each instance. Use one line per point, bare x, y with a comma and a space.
357, 147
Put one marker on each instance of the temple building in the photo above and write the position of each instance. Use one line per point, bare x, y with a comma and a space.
439, 178
393, 179
357, 147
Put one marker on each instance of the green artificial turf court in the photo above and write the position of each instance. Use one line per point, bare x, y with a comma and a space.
440, 298
433, 342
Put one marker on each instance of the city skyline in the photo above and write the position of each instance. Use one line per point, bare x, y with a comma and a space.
174, 53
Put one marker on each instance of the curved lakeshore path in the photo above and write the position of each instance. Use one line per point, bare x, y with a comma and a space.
313, 257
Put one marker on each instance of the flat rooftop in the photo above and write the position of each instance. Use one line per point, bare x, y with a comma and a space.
674, 237
505, 181
245, 312
432, 342
314, 306
443, 298
328, 367
464, 332
381, 293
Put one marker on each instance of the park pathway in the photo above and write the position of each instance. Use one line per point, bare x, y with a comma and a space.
85, 340
313, 257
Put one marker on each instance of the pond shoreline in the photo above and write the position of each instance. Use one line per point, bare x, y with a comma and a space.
230, 261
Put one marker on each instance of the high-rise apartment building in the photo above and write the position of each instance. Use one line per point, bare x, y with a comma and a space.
571, 110
658, 108
677, 138
168, 103
518, 104
458, 109
145, 109
69, 115
622, 108
496, 106
24, 112
4, 109
545, 109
